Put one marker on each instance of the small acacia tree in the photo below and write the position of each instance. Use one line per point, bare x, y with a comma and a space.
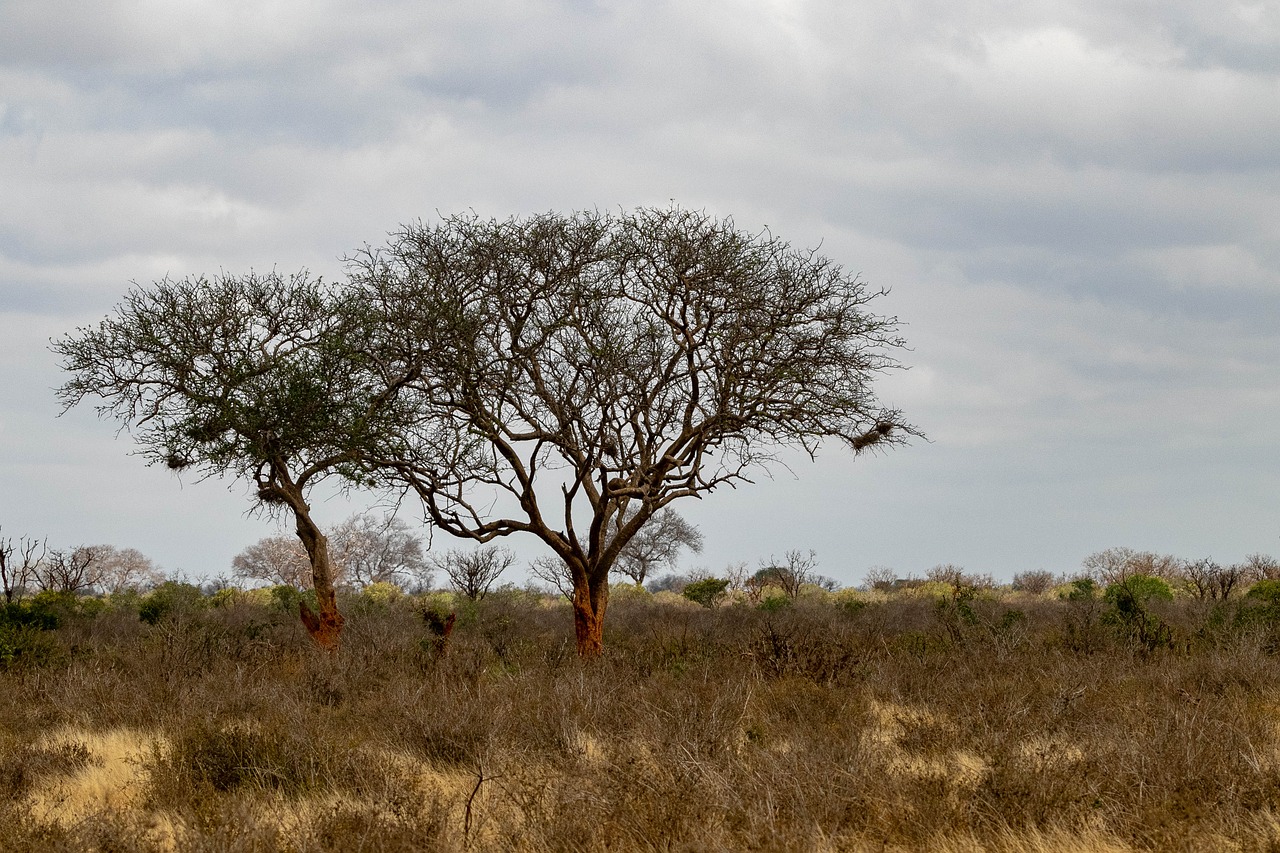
121, 569
593, 368
657, 545
278, 560
250, 376
471, 573
368, 549
69, 571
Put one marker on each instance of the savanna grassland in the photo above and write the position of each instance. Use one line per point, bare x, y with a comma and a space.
941, 717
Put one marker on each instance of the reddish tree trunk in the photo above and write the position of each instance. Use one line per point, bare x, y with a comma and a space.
325, 626
589, 604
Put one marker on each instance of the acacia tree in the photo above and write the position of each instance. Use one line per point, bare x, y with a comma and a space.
657, 545
368, 549
278, 560
249, 376
68, 571
593, 368
471, 573
120, 569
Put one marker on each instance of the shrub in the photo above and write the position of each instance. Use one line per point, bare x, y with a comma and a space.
850, 601
774, 603
380, 593
204, 757
1036, 583
708, 592
286, 598
50, 608
171, 598
1130, 601
25, 645
1080, 589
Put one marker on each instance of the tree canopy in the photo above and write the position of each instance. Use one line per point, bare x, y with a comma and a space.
591, 368
253, 376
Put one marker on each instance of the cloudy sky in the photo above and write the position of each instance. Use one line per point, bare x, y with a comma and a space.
1075, 203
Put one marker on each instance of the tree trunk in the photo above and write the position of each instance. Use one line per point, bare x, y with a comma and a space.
325, 627
589, 603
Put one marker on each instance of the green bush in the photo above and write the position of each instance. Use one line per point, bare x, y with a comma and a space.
850, 601
286, 598
1080, 589
708, 592
1130, 601
51, 608
1261, 608
25, 645
41, 618
1266, 593
171, 597
775, 603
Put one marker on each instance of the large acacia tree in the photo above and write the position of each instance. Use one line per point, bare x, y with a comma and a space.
575, 374
252, 376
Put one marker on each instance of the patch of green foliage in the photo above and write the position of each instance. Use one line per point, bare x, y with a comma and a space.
708, 592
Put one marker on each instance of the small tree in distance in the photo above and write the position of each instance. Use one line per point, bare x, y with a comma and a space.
277, 560
367, 549
880, 578
1115, 564
789, 574
657, 545
364, 549
554, 573
593, 368
1259, 567
1035, 582
708, 591
121, 569
18, 565
472, 573
69, 571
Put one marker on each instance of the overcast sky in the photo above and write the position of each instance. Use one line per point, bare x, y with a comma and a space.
1075, 203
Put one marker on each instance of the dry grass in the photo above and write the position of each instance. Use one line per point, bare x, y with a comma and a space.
901, 724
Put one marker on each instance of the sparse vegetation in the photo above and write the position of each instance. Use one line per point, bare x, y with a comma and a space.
948, 715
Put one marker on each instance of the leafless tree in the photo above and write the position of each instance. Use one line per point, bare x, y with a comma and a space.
366, 549
471, 573
1206, 579
790, 574
592, 368
737, 574
1114, 565
880, 577
1035, 582
275, 560
957, 578
70, 571
251, 376
1261, 567
18, 565
555, 573
119, 569
657, 545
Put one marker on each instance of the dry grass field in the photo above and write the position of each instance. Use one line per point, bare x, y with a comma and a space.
863, 722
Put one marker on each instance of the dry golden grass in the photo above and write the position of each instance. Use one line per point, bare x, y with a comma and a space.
894, 725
